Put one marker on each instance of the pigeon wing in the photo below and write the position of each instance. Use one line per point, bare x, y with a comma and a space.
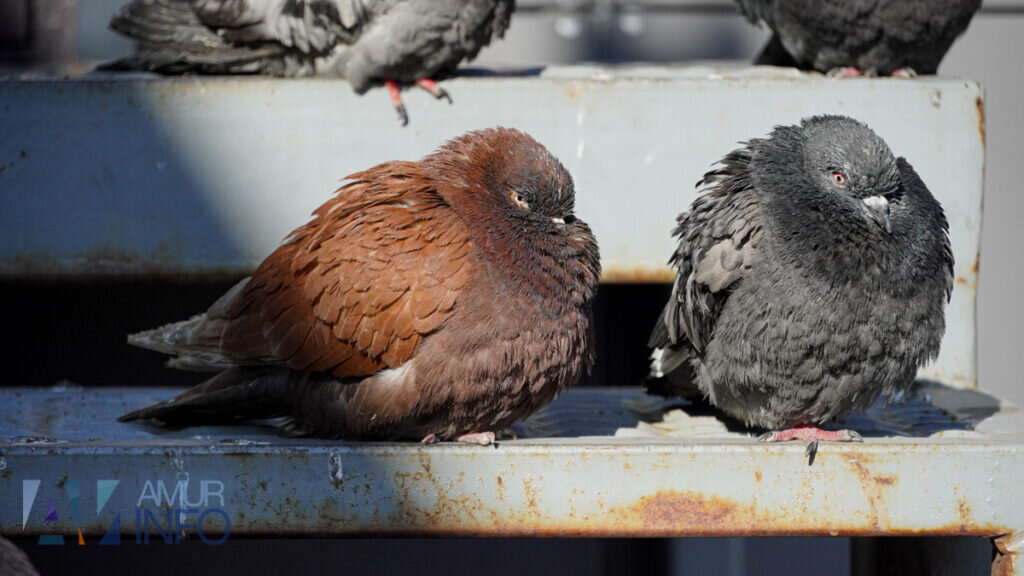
355, 290
717, 246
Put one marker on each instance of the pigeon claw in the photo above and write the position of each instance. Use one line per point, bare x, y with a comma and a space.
435, 90
906, 72
810, 435
481, 438
845, 72
396, 101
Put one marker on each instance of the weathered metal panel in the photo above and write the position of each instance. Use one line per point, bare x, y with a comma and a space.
207, 175
958, 484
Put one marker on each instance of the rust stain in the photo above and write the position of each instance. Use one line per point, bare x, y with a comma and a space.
976, 267
1004, 563
961, 280
980, 106
531, 492
964, 511
637, 274
757, 476
667, 511
873, 485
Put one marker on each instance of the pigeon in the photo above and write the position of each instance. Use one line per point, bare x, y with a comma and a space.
436, 300
367, 42
14, 562
812, 274
846, 38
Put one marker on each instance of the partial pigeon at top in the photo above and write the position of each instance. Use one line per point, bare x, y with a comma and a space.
365, 41
432, 300
854, 37
811, 276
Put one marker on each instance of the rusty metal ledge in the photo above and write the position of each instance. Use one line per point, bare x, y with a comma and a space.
954, 482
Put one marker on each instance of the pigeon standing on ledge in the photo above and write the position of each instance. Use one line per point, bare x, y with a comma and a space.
366, 42
436, 300
860, 37
811, 277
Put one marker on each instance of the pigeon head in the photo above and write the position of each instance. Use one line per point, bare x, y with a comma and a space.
844, 171
519, 202
846, 162
507, 173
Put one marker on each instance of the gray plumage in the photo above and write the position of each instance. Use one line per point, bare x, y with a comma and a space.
812, 274
364, 41
14, 562
874, 36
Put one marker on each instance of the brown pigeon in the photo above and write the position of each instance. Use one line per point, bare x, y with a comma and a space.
433, 300
367, 42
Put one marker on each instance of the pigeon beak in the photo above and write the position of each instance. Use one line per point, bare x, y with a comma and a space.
558, 220
878, 210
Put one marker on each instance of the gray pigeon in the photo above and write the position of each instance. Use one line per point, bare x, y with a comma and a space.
855, 37
811, 276
365, 41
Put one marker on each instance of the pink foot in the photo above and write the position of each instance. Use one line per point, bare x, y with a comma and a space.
810, 435
429, 439
481, 438
396, 101
845, 72
435, 90
904, 73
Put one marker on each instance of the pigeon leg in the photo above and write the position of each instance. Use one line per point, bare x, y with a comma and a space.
481, 438
432, 87
810, 435
845, 72
396, 101
906, 72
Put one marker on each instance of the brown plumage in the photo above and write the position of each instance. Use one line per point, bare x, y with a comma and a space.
426, 300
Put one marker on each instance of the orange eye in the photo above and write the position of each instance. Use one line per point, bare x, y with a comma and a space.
519, 200
838, 178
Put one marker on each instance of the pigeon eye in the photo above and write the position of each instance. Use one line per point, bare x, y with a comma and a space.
838, 178
519, 200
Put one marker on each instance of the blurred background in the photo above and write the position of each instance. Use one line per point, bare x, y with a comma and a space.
72, 35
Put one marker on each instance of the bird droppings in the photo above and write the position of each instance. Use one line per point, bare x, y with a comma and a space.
334, 468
